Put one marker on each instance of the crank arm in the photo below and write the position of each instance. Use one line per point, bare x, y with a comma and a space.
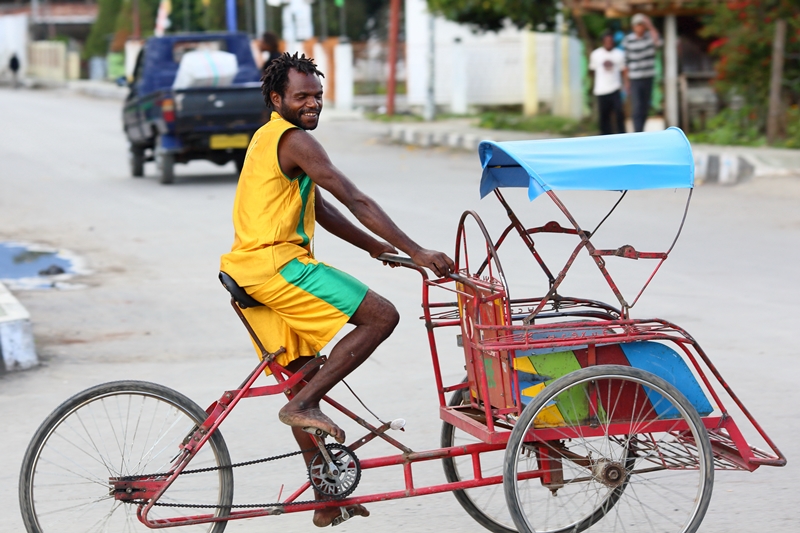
318, 436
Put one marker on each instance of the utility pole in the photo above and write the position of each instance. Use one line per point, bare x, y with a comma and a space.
343, 64
776, 81
342, 21
671, 70
261, 18
430, 90
323, 22
248, 17
394, 30
230, 15
137, 27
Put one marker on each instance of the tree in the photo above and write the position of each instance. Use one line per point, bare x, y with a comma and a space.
490, 15
103, 28
744, 31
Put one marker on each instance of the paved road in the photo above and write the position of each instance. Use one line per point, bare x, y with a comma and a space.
152, 308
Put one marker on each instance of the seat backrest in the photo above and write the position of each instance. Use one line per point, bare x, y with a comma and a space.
239, 295
496, 363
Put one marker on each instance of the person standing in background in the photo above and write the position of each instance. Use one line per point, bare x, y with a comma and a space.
607, 65
640, 57
13, 66
269, 49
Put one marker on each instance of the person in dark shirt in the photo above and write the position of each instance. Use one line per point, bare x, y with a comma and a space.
13, 66
640, 57
269, 45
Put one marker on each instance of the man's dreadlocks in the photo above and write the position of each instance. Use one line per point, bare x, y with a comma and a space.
276, 76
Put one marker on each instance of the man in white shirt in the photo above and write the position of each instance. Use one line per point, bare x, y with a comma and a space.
607, 65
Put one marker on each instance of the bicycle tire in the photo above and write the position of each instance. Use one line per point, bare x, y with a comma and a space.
110, 430
641, 459
486, 505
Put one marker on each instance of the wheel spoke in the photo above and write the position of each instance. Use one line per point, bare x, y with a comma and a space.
609, 483
110, 431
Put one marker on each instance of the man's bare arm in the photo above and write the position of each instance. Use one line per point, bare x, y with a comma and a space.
337, 224
653, 32
299, 151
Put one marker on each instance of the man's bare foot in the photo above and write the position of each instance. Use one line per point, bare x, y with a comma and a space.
325, 517
312, 417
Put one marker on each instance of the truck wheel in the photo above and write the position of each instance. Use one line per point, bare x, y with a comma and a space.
165, 162
167, 168
239, 162
136, 160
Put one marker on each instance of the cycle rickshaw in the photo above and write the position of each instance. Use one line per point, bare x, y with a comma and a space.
602, 421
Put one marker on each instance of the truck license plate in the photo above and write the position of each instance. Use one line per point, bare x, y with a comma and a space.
223, 142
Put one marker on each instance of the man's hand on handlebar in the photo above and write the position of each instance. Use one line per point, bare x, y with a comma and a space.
380, 248
438, 262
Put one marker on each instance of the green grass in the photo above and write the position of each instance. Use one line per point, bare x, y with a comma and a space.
536, 124
376, 87
745, 127
397, 117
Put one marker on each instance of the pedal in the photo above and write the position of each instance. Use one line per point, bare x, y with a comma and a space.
345, 516
319, 440
317, 432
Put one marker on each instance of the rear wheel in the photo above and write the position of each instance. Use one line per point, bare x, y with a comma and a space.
487, 505
124, 428
609, 447
238, 160
136, 160
166, 164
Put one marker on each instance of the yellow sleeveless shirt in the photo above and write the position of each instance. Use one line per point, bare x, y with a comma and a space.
273, 215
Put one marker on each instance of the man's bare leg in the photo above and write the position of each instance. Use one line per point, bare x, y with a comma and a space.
375, 319
322, 517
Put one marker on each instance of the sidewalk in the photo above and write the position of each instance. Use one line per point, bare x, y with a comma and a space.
713, 164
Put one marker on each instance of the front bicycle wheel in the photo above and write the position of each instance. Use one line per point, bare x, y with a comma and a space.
123, 428
486, 505
611, 448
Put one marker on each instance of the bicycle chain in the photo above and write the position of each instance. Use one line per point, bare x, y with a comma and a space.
221, 467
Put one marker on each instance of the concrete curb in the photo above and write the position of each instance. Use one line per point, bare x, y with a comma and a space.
99, 89
17, 349
722, 165
461, 138
722, 169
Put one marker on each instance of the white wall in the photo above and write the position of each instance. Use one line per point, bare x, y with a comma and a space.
48, 61
496, 71
494, 60
13, 38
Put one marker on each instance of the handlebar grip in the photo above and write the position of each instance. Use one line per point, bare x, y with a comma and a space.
397, 259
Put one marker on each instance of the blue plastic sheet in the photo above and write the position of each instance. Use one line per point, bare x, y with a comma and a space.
632, 161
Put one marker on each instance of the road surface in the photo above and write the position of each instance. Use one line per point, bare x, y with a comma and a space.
153, 309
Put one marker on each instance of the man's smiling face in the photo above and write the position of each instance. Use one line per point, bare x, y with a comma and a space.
301, 103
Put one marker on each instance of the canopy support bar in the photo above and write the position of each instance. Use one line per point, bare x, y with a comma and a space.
597, 256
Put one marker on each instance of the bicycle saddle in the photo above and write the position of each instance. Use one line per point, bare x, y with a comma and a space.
239, 295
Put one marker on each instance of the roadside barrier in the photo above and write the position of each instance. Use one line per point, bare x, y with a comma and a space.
17, 349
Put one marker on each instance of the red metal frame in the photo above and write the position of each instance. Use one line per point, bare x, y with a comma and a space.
522, 332
493, 326
152, 488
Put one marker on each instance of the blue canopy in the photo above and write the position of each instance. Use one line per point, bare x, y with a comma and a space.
634, 161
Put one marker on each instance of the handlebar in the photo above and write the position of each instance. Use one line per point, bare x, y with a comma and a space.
398, 260
403, 261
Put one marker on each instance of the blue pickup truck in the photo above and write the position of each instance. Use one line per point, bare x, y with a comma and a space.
169, 125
